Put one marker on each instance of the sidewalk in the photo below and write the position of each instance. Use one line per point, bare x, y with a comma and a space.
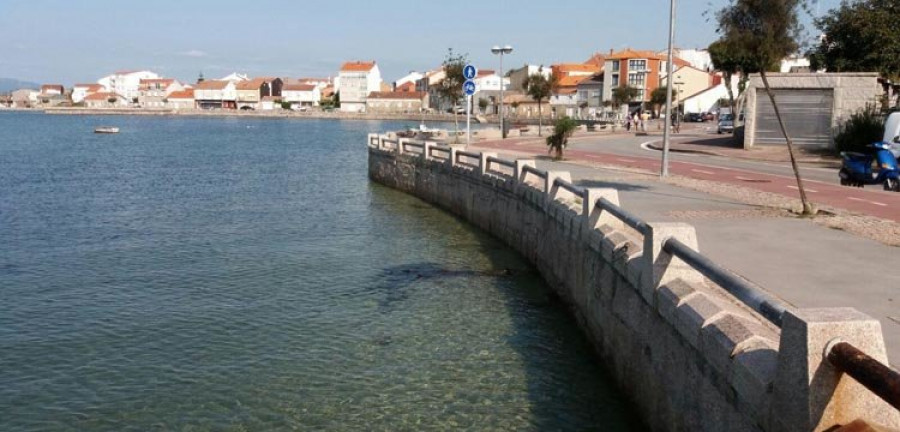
804, 263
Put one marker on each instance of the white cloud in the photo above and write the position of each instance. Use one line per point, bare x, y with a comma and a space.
194, 53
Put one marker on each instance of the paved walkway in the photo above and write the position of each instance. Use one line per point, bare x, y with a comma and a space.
804, 263
869, 201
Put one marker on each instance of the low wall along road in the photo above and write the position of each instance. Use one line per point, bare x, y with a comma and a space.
694, 346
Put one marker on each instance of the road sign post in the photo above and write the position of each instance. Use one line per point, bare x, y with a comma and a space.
469, 88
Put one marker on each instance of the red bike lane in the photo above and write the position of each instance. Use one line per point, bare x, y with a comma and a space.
885, 205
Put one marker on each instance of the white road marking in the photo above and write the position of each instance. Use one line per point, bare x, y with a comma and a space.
626, 160
703, 172
867, 201
807, 189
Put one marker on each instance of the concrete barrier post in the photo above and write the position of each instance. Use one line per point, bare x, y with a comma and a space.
550, 187
400, 144
451, 162
381, 142
595, 217
483, 163
810, 394
372, 140
426, 150
659, 266
520, 168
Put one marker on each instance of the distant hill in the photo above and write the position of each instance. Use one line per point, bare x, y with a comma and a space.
9, 84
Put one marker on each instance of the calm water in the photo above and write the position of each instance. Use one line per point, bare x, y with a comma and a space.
243, 274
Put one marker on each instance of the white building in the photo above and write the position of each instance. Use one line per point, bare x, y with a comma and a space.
183, 99
235, 77
698, 58
216, 94
81, 91
488, 80
795, 64
301, 94
126, 84
412, 77
357, 80
153, 92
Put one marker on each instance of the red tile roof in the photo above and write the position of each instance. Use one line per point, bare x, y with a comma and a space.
397, 95
88, 86
183, 94
571, 81
100, 96
253, 84
596, 60
484, 73
298, 87
407, 87
565, 68
357, 66
211, 85
157, 80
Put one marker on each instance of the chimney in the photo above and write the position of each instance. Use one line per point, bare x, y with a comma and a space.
610, 51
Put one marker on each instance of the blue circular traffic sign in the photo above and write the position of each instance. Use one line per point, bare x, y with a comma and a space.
469, 72
469, 87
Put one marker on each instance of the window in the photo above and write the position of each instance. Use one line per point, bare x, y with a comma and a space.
615, 81
636, 79
637, 65
615, 65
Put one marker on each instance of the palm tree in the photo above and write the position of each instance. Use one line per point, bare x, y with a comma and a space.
539, 87
562, 131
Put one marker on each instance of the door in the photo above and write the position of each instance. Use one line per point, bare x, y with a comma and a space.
806, 114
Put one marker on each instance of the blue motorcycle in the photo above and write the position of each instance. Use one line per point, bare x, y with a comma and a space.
856, 169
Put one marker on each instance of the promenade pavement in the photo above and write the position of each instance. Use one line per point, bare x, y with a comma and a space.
804, 263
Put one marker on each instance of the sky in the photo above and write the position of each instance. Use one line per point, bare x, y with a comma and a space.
74, 41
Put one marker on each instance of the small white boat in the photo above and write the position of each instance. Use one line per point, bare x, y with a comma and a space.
106, 130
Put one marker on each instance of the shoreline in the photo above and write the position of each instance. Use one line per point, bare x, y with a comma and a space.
418, 118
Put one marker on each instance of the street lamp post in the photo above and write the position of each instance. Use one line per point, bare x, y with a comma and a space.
664, 169
501, 51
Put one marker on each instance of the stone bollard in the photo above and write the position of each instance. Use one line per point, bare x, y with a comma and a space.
810, 394
660, 267
400, 144
483, 163
594, 216
426, 150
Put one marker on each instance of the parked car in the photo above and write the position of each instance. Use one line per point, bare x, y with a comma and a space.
693, 118
892, 133
707, 116
726, 124
247, 108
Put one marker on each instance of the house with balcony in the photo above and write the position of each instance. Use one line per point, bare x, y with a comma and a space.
250, 93
215, 94
80, 91
300, 94
642, 70
590, 95
153, 92
357, 80
126, 84
52, 95
181, 100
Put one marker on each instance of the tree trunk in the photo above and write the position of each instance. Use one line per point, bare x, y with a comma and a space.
456, 121
540, 119
730, 94
807, 206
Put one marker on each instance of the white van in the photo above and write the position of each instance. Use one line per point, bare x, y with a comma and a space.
892, 133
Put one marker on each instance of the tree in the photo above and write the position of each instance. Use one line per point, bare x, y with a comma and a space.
562, 131
539, 87
451, 87
483, 104
623, 95
761, 33
658, 97
337, 100
859, 36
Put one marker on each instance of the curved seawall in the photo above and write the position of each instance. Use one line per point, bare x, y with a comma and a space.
691, 353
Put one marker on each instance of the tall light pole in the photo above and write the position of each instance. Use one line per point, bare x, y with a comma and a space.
664, 170
501, 51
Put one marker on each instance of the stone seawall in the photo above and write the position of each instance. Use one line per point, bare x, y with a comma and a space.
689, 355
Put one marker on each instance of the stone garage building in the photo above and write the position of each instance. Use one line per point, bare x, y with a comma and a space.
813, 106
